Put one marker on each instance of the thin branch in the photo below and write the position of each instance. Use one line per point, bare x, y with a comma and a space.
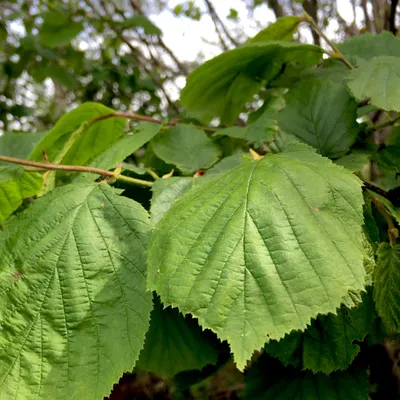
336, 52
386, 123
393, 232
44, 166
392, 16
134, 116
368, 23
217, 21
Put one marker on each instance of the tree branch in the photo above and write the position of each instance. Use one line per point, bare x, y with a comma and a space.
311, 8
392, 16
276, 8
44, 166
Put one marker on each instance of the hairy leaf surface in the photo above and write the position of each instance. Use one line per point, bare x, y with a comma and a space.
175, 343
323, 114
387, 285
269, 245
223, 85
378, 79
73, 305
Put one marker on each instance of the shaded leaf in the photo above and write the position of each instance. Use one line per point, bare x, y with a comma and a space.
262, 126
379, 80
269, 379
175, 343
327, 345
15, 186
323, 114
261, 251
387, 285
74, 308
223, 85
227, 163
354, 161
187, 147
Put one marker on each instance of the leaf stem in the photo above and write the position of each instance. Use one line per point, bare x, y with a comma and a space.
34, 166
336, 52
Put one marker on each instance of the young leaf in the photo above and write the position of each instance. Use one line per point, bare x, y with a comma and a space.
262, 249
387, 283
223, 85
269, 379
88, 144
379, 79
187, 147
283, 29
175, 343
125, 146
73, 305
368, 46
15, 186
323, 114
327, 344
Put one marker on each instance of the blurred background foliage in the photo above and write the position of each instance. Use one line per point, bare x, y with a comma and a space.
57, 54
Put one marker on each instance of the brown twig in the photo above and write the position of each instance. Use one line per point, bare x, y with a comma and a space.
36, 166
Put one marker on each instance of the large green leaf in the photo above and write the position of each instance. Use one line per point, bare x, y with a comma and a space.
175, 343
90, 142
262, 125
269, 379
223, 85
187, 147
379, 79
262, 249
368, 46
323, 114
15, 186
73, 305
327, 344
387, 285
283, 29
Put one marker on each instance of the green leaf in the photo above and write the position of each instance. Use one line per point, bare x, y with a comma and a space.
15, 186
187, 147
378, 79
175, 343
165, 192
58, 29
19, 144
323, 114
262, 249
140, 21
233, 14
368, 46
387, 285
354, 161
263, 125
92, 141
124, 147
283, 29
73, 305
269, 379
223, 85
327, 345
